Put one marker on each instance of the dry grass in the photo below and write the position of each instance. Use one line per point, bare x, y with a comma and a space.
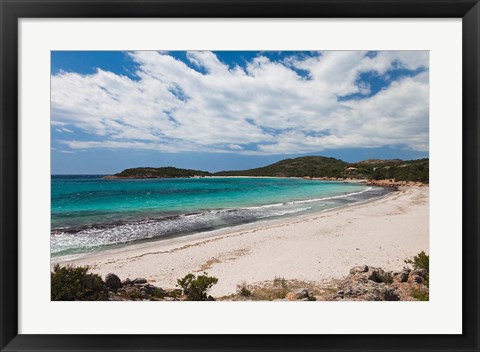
278, 289
208, 264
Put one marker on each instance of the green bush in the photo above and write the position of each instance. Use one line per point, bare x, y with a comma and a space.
243, 290
420, 295
75, 284
280, 287
387, 278
420, 261
195, 288
279, 281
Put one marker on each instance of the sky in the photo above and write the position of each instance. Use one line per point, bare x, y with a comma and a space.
231, 110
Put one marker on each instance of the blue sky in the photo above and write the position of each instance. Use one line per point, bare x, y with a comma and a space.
234, 109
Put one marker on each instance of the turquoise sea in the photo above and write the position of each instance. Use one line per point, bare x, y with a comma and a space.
89, 213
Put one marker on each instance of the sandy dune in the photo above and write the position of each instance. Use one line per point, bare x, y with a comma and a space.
316, 247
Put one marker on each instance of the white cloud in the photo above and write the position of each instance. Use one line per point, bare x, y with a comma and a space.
64, 129
175, 108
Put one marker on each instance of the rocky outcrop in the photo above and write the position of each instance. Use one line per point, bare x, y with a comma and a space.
139, 281
395, 184
138, 290
300, 294
112, 281
366, 283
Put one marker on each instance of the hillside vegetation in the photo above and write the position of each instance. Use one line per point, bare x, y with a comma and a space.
312, 166
398, 170
319, 166
160, 172
307, 166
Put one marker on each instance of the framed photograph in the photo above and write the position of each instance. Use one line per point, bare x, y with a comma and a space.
214, 175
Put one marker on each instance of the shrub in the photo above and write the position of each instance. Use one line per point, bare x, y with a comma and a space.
279, 281
388, 278
195, 288
420, 261
420, 295
243, 290
135, 295
75, 284
281, 287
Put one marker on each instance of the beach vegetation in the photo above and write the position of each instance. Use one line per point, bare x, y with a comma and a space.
279, 281
76, 284
243, 290
280, 287
195, 287
277, 289
382, 276
135, 295
420, 261
420, 294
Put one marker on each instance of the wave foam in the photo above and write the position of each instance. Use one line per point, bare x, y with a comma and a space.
95, 236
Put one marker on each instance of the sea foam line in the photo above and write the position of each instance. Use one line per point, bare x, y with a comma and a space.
309, 200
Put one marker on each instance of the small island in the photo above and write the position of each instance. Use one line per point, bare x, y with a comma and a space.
160, 172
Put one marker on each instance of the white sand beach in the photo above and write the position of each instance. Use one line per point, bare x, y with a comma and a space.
315, 247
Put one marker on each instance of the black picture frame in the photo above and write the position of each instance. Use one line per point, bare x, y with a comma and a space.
12, 11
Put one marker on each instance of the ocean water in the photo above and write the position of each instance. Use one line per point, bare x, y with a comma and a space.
89, 213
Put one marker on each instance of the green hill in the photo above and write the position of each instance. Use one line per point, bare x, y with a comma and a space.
399, 170
319, 166
160, 172
307, 166
313, 166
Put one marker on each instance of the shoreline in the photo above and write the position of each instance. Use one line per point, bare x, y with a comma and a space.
175, 239
312, 247
159, 217
371, 182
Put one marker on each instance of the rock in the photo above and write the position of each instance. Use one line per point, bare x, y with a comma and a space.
403, 277
139, 281
417, 279
420, 272
301, 293
390, 295
359, 269
310, 298
378, 275
126, 282
367, 284
113, 281
291, 296
150, 288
